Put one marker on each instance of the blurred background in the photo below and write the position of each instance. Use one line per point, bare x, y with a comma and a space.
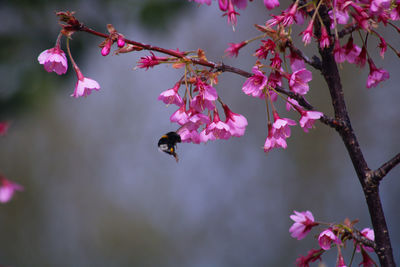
99, 193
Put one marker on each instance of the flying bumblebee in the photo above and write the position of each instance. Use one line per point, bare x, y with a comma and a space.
167, 143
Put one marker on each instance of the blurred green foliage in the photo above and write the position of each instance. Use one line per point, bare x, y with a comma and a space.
155, 15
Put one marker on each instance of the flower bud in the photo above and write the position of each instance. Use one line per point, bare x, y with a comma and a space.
106, 48
121, 41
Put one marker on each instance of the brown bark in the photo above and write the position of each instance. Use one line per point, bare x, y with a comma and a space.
369, 186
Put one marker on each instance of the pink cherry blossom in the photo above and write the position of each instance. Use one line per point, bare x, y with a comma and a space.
265, 48
308, 118
7, 189
188, 136
341, 16
196, 120
233, 49
340, 261
383, 46
292, 104
282, 126
324, 41
275, 20
360, 16
303, 223
274, 79
362, 57
185, 135
368, 233
326, 237
237, 123
298, 81
278, 132
205, 98
312, 256
273, 141
199, 103
198, 138
339, 52
362, 20
271, 4
395, 13
255, 84
218, 128
308, 33
240, 3
228, 6
204, 137
223, 4
171, 96
366, 260
180, 116
296, 62
300, 16
290, 14
84, 86
54, 59
351, 50
231, 14
4, 125
379, 6
376, 75
276, 61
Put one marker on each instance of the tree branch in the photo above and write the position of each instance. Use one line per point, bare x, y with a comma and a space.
334, 123
371, 190
226, 68
357, 236
315, 63
348, 30
381, 172
341, 122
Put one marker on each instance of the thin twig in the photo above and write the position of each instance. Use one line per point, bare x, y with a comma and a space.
315, 63
357, 236
334, 123
381, 172
348, 30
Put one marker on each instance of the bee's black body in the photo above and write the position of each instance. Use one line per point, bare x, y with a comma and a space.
167, 143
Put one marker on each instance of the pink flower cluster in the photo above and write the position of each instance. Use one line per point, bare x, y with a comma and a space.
228, 6
278, 132
261, 86
54, 59
197, 127
335, 234
364, 15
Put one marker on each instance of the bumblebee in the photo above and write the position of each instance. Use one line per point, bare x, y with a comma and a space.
167, 143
